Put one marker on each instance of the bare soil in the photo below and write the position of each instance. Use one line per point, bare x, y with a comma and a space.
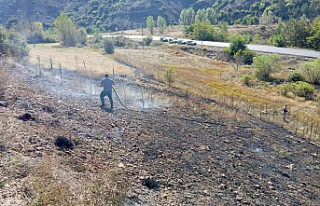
167, 155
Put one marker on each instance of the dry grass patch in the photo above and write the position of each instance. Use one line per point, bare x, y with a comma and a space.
214, 79
52, 183
96, 62
3, 81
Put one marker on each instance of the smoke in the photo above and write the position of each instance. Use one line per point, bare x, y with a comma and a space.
68, 85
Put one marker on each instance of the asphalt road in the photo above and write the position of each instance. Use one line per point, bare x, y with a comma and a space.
253, 47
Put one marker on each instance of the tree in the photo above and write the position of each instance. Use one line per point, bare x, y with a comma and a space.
187, 16
147, 41
108, 46
11, 45
83, 35
168, 74
211, 16
238, 44
295, 32
311, 71
66, 30
314, 38
162, 24
202, 16
267, 18
264, 65
150, 24
36, 33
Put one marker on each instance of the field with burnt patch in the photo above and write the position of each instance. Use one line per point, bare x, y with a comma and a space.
173, 146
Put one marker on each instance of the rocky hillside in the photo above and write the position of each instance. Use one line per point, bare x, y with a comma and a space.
124, 14
108, 14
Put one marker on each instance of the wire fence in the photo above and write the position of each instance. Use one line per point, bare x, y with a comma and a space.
298, 122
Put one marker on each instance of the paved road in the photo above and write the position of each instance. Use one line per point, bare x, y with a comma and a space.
262, 48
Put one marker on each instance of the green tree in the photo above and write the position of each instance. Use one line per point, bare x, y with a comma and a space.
264, 65
168, 74
66, 30
147, 41
36, 33
108, 46
206, 32
278, 41
150, 24
202, 16
303, 89
238, 44
211, 16
311, 71
187, 16
295, 32
267, 18
11, 45
314, 38
162, 24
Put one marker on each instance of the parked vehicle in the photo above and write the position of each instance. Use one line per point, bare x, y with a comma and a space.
162, 39
180, 41
191, 43
173, 41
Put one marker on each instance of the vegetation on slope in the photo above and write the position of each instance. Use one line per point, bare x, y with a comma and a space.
125, 14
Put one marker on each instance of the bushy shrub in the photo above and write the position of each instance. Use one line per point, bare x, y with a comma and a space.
68, 32
168, 74
108, 46
311, 71
147, 40
35, 38
278, 41
300, 89
264, 65
247, 79
285, 89
120, 41
156, 43
303, 89
295, 77
238, 44
11, 45
247, 56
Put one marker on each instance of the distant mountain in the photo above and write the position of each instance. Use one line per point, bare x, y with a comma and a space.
125, 14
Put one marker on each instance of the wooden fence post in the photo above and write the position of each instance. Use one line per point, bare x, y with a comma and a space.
39, 65
51, 64
60, 70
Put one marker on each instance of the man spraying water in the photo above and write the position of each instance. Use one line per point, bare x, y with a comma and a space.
106, 83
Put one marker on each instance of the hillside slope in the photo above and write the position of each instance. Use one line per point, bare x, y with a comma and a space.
118, 13
125, 14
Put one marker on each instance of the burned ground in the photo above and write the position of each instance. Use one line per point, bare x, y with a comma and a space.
169, 155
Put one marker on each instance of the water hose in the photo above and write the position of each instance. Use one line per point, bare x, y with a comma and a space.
115, 91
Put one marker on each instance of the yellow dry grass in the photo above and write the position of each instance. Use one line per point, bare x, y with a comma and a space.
194, 74
96, 62
214, 79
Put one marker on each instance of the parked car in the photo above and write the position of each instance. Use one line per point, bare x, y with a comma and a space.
166, 39
180, 41
191, 43
173, 41
162, 39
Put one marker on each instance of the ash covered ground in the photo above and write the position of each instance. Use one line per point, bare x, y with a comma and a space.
170, 154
